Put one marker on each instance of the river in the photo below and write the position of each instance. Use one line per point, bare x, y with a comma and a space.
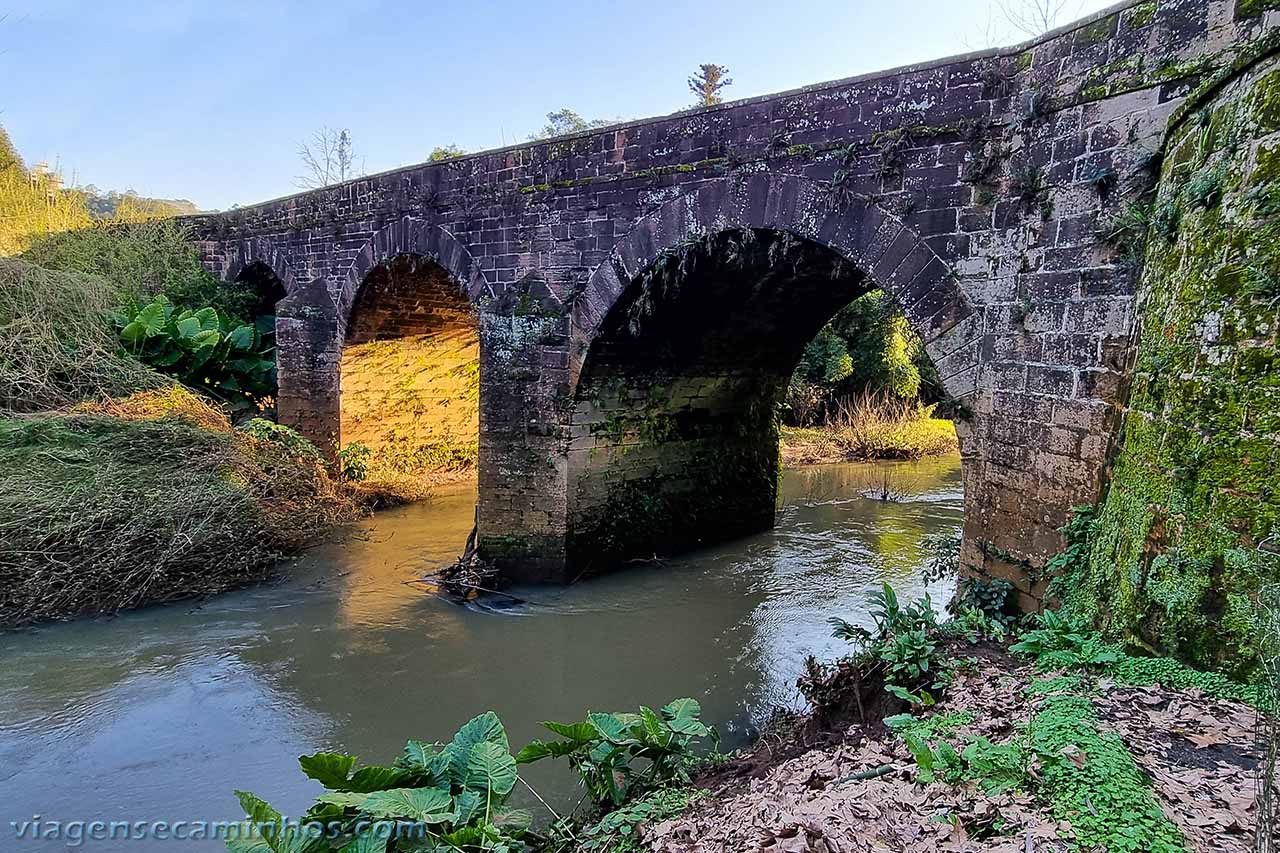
159, 714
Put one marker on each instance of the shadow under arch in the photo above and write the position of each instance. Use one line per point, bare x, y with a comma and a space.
684, 341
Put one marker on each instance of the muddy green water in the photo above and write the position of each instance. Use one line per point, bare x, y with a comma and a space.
159, 714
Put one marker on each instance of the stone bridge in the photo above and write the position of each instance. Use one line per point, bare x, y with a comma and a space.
643, 291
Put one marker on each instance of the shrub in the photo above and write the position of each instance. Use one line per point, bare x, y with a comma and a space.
142, 260
229, 360
57, 346
354, 461
455, 793
905, 645
605, 748
287, 437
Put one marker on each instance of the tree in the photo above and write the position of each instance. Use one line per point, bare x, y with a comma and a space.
444, 152
564, 121
708, 82
1032, 18
8, 154
328, 158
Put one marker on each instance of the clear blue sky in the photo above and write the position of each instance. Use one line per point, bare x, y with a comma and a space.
209, 99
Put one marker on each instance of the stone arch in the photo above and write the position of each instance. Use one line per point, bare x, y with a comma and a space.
259, 250
410, 236
885, 249
407, 343
674, 438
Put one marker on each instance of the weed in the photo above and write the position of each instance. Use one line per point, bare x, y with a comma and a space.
1090, 779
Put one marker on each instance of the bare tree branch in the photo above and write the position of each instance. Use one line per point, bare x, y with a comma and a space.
328, 158
1032, 18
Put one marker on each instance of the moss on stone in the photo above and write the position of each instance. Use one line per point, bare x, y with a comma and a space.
1141, 15
1173, 557
1099, 31
1254, 8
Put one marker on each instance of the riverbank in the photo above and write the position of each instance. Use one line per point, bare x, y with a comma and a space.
1016, 757
914, 438
149, 499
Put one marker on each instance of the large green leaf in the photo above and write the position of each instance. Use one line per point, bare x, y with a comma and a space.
154, 317
344, 799
466, 805
655, 729
209, 338
375, 778
491, 768
513, 821
331, 769
134, 332
538, 750
428, 805
609, 726
483, 728
241, 338
682, 717
207, 318
581, 732
264, 831
188, 327
256, 809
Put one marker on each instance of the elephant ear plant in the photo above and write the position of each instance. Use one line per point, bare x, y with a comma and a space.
449, 797
604, 749
204, 350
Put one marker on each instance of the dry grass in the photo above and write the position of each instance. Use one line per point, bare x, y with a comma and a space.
146, 500
57, 342
871, 427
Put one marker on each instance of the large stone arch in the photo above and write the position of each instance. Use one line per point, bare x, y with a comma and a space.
411, 236
673, 428
884, 248
406, 334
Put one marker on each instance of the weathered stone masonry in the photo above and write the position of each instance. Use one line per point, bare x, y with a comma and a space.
972, 189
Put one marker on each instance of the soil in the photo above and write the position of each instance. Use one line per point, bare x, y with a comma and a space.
804, 786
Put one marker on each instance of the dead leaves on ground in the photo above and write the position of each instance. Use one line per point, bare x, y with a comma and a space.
1199, 752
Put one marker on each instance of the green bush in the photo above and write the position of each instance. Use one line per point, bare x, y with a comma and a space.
867, 348
354, 461
452, 797
287, 437
905, 645
142, 260
605, 748
202, 349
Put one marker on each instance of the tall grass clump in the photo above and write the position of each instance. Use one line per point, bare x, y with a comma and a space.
57, 342
144, 259
872, 426
146, 500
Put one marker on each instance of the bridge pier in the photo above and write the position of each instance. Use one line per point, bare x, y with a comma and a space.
522, 509
308, 365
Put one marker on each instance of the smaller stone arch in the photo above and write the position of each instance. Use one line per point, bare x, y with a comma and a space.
410, 236
243, 254
881, 245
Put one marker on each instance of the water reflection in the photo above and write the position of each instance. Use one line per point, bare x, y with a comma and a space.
162, 712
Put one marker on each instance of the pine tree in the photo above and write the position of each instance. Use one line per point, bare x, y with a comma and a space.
708, 82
